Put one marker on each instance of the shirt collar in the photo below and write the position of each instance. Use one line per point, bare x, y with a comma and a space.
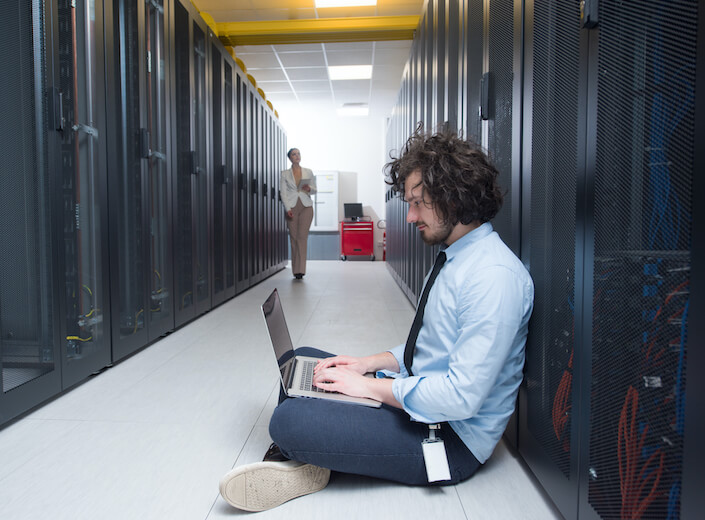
467, 240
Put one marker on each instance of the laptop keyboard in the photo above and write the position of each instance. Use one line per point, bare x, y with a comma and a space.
307, 378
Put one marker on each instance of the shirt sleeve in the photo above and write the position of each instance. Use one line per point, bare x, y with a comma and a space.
287, 191
489, 313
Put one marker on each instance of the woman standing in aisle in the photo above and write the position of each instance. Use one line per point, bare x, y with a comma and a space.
296, 187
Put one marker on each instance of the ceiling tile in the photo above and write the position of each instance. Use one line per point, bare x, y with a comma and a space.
267, 74
274, 86
315, 96
308, 73
259, 60
299, 47
362, 85
302, 59
337, 58
281, 97
396, 57
310, 86
349, 46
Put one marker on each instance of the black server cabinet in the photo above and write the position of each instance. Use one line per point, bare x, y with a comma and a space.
253, 218
500, 106
139, 172
30, 102
192, 269
85, 306
452, 31
471, 67
610, 149
230, 189
639, 233
244, 140
222, 160
547, 436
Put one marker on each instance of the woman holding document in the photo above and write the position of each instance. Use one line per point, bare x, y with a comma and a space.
296, 186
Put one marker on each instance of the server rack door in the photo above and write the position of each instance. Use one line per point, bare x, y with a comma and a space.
86, 306
219, 177
242, 207
439, 71
228, 180
472, 64
159, 174
203, 178
548, 407
501, 104
127, 151
185, 170
29, 321
637, 300
253, 221
139, 220
451, 39
259, 188
192, 231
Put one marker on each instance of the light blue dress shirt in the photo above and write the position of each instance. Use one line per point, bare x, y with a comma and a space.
470, 350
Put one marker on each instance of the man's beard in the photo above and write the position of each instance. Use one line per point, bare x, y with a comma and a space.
438, 237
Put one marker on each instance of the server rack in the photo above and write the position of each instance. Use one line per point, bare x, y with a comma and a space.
85, 305
597, 132
139, 173
193, 177
130, 121
548, 439
30, 340
243, 143
230, 189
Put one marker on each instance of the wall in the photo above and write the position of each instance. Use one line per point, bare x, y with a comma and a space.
349, 144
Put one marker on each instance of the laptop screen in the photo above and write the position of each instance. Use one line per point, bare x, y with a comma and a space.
279, 335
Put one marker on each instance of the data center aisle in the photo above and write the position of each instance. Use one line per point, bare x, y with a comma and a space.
151, 437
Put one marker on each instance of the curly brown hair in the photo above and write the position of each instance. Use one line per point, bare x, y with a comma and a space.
457, 177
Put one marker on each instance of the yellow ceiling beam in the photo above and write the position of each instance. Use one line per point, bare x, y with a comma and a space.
322, 30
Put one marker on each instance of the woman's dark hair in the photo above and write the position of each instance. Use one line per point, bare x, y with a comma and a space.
288, 154
457, 177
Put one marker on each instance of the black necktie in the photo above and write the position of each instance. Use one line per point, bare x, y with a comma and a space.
418, 319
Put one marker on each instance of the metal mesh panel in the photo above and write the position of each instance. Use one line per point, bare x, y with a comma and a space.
129, 190
643, 183
552, 227
501, 52
25, 277
474, 45
183, 238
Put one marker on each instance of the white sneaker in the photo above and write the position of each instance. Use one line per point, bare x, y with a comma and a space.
264, 485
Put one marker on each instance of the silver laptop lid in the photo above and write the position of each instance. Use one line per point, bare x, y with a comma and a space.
279, 336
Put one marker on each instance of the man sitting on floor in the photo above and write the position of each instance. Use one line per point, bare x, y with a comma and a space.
459, 371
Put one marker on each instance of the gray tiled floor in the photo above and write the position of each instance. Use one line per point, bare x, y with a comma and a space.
151, 437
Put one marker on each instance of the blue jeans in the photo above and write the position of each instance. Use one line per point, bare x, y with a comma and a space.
377, 442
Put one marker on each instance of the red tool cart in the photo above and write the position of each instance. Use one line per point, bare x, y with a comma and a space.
356, 239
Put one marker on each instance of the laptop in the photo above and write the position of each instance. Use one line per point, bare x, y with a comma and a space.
296, 372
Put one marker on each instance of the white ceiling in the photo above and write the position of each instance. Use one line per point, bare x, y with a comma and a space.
295, 75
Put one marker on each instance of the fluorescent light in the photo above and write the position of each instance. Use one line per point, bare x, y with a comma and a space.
350, 72
344, 3
353, 109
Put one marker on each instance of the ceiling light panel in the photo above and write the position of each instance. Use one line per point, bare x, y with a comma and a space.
350, 72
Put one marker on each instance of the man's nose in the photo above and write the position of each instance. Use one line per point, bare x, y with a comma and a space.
410, 215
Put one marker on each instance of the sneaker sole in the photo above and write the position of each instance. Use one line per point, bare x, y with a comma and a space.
264, 485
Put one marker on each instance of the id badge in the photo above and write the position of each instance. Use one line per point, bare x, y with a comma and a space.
434, 456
